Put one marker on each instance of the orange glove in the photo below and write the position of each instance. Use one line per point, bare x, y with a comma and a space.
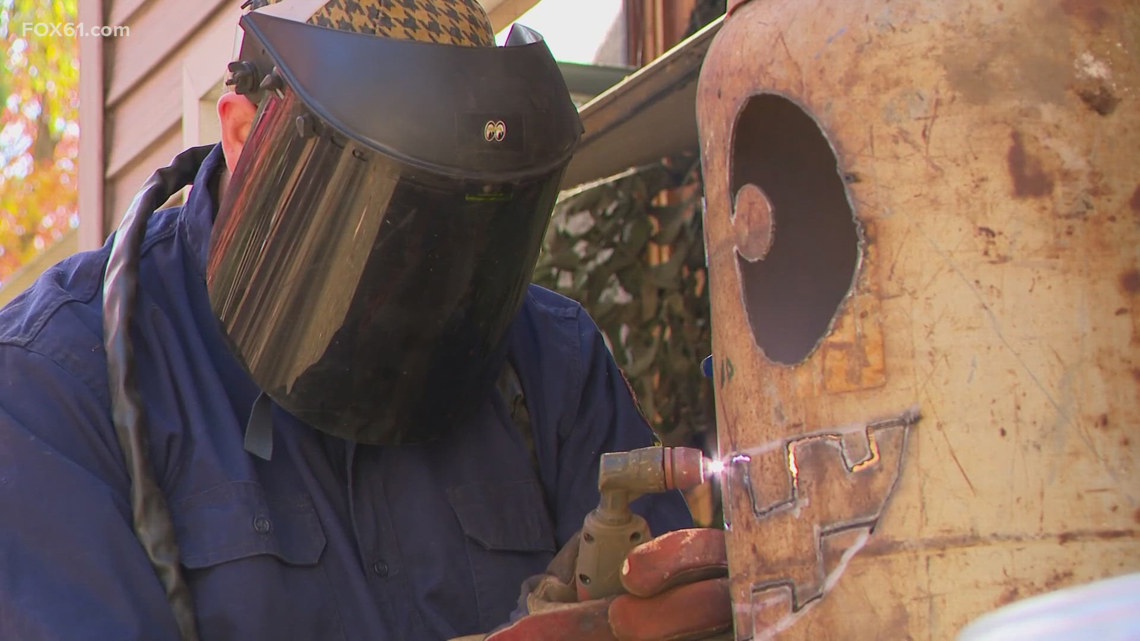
678, 591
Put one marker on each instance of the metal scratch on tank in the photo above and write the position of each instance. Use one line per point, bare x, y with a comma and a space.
737, 462
907, 418
829, 582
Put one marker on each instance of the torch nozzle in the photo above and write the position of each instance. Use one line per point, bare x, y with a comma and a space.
612, 530
684, 468
654, 469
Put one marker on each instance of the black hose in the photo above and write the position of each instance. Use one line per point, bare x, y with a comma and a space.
150, 513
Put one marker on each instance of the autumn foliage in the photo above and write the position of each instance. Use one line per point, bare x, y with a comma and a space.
39, 130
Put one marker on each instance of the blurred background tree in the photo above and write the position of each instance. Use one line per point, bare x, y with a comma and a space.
39, 128
631, 249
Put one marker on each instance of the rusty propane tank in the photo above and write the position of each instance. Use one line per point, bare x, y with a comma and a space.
923, 223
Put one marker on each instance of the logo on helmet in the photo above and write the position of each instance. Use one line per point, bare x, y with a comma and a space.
494, 131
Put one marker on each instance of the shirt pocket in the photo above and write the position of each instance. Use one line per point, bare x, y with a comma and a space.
253, 564
509, 537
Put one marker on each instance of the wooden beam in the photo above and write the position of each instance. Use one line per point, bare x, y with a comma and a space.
649, 115
92, 225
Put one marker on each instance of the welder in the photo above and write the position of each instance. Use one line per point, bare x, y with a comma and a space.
319, 399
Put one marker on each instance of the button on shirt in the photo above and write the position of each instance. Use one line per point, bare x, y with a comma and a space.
328, 539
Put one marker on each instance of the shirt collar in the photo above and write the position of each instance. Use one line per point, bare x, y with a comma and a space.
197, 219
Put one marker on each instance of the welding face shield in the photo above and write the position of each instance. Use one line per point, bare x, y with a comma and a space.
378, 233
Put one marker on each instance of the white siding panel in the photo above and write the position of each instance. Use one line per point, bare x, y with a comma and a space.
155, 105
121, 11
157, 33
123, 187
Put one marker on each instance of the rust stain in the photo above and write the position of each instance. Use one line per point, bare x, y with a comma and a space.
1130, 281
990, 248
1102, 421
1058, 579
1088, 11
877, 547
1099, 98
1103, 535
1029, 177
853, 354
1010, 595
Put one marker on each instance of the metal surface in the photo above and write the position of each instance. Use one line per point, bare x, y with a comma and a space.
644, 118
949, 422
592, 80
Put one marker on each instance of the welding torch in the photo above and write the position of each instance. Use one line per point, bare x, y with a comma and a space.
612, 530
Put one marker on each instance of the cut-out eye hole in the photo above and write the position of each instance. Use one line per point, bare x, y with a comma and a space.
797, 238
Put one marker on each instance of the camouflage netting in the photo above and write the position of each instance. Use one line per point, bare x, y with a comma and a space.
631, 250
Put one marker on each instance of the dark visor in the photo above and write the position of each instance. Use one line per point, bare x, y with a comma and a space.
373, 247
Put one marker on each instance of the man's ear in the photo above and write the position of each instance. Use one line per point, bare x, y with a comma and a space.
235, 113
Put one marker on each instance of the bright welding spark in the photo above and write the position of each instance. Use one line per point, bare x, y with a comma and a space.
713, 467
717, 467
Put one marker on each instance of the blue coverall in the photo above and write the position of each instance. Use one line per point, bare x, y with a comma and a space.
328, 539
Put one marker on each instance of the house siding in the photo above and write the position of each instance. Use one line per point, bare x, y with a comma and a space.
144, 86
174, 47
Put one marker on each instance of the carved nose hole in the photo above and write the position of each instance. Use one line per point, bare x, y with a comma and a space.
796, 234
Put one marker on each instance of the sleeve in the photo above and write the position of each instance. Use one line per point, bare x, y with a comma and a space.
70, 565
603, 417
